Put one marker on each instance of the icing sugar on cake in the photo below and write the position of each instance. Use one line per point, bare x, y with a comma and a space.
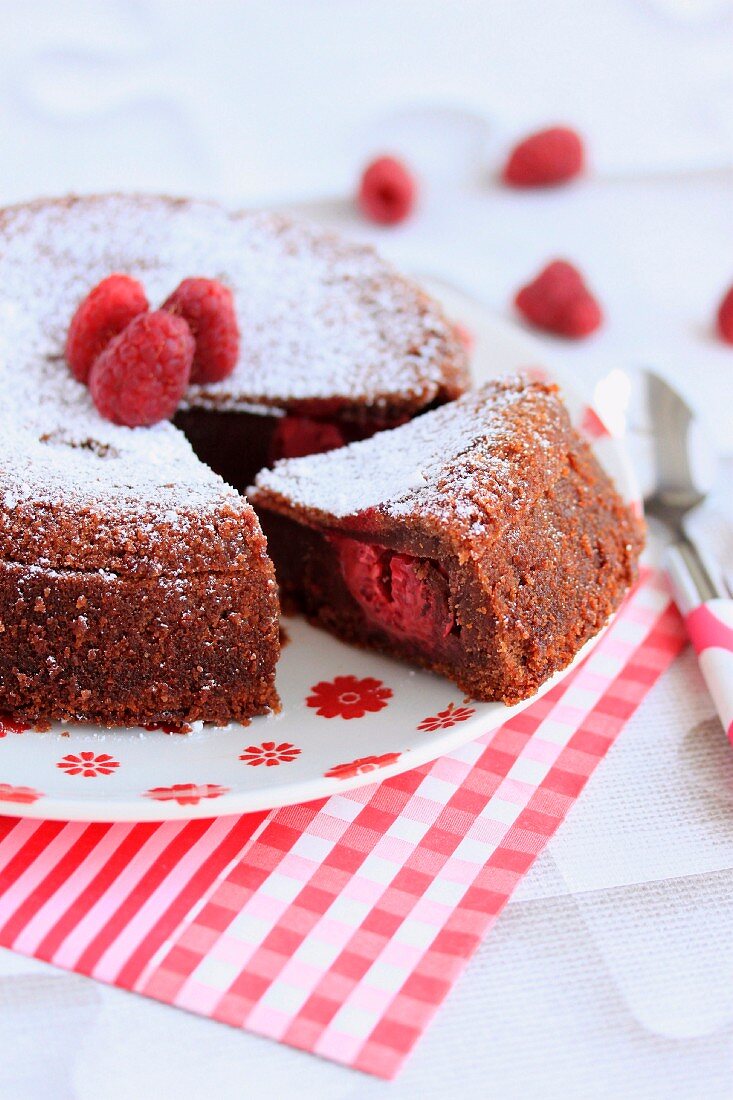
466, 464
321, 320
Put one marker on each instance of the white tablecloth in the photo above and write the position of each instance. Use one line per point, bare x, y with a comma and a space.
609, 973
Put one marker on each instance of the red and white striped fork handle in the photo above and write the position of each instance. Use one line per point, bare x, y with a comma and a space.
709, 624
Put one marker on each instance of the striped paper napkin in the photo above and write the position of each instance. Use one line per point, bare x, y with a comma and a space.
338, 926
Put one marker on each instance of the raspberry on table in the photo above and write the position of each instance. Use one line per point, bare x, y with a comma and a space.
105, 312
548, 157
725, 317
207, 306
143, 372
387, 191
559, 301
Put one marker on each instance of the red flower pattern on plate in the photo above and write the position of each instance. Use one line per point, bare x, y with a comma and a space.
364, 764
8, 793
269, 754
88, 764
347, 697
186, 794
12, 725
444, 719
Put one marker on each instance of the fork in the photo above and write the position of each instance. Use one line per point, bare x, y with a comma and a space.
705, 603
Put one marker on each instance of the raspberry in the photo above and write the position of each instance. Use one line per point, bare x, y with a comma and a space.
548, 157
208, 308
297, 436
725, 318
559, 301
401, 594
387, 191
104, 313
142, 374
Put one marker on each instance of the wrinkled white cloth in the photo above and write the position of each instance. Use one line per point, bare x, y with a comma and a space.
609, 973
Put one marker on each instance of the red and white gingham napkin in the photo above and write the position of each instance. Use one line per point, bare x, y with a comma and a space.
337, 926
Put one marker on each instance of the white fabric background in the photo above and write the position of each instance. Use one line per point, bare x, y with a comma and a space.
610, 972
281, 100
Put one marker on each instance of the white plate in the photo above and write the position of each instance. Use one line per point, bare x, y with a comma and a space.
348, 718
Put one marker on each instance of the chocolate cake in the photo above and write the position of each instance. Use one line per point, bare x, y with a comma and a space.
134, 583
482, 540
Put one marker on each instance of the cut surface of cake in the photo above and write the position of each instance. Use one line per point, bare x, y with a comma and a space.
135, 585
482, 540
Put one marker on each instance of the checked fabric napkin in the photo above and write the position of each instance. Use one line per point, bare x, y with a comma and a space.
337, 926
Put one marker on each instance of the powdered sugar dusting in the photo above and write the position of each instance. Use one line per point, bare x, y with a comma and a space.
466, 465
56, 447
318, 318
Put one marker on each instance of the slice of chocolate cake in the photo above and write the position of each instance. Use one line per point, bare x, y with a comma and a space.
482, 540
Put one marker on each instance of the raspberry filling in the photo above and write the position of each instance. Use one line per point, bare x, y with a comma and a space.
297, 436
404, 595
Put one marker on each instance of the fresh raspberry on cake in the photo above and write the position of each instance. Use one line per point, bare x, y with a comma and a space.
559, 301
725, 318
548, 157
142, 374
387, 191
104, 313
207, 306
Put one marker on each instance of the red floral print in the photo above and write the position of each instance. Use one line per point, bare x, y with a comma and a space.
8, 793
347, 697
444, 719
364, 764
269, 754
12, 725
88, 764
186, 794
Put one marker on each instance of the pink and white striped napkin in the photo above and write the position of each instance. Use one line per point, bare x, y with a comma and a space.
337, 926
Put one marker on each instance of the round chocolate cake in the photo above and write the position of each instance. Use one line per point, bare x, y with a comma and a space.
135, 586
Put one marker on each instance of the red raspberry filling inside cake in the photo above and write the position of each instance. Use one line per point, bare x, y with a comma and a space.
404, 595
296, 436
